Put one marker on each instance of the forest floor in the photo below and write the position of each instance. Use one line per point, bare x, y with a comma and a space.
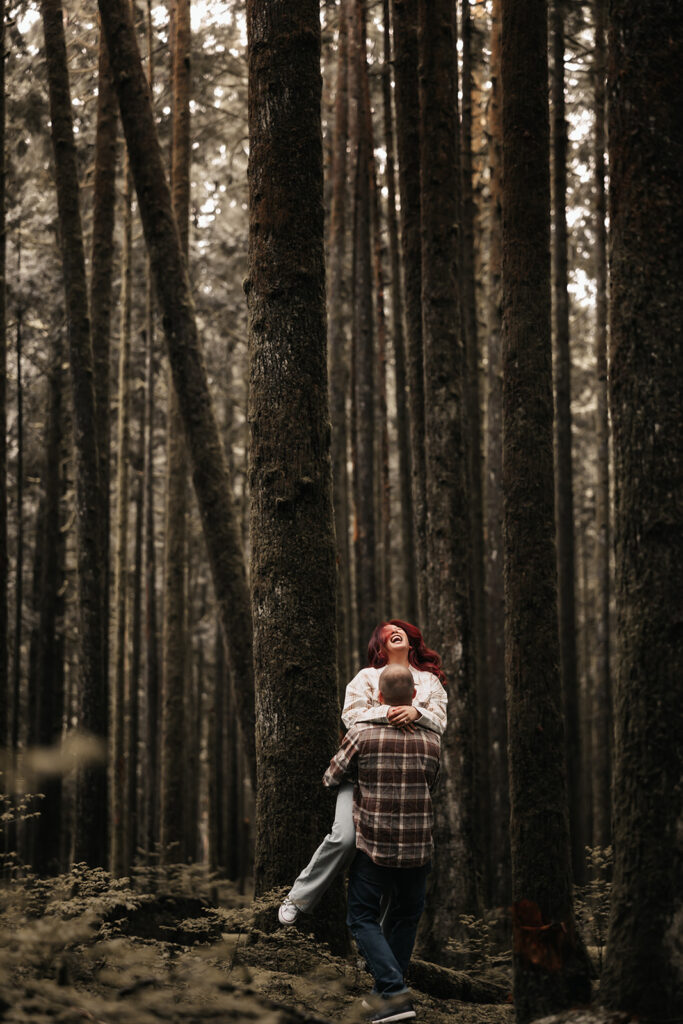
86, 947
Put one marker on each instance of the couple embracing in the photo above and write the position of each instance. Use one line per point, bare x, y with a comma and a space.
384, 772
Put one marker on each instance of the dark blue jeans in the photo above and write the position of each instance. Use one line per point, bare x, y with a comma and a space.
387, 951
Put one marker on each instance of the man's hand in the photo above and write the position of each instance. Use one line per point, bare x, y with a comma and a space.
403, 717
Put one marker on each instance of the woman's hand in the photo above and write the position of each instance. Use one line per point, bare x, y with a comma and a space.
403, 716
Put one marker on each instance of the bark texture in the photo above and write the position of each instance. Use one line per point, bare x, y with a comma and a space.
4, 678
292, 589
549, 973
209, 469
454, 877
643, 969
91, 809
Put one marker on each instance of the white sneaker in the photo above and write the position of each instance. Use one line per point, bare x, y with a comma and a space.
287, 912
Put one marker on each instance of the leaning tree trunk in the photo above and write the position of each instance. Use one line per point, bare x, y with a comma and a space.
448, 525
602, 688
210, 475
174, 734
643, 973
495, 607
91, 800
292, 596
408, 149
549, 972
564, 478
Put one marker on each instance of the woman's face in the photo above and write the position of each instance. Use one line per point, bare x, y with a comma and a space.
395, 640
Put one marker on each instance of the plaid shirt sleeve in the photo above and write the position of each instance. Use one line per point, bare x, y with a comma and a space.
341, 764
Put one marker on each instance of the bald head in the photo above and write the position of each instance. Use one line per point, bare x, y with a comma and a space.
396, 685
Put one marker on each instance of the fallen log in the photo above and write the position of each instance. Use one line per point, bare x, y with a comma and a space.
445, 983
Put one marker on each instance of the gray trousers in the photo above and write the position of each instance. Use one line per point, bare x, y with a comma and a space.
334, 854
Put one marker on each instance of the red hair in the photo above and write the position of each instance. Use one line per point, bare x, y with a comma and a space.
419, 656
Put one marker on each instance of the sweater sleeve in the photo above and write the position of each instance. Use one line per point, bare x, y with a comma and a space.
361, 702
433, 706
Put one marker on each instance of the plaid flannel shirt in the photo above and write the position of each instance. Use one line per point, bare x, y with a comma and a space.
392, 804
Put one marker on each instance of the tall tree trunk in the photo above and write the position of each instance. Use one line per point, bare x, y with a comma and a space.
4, 635
210, 476
564, 477
294, 650
19, 542
363, 381
338, 351
495, 609
91, 811
408, 148
48, 638
133, 691
473, 443
407, 592
448, 531
173, 727
119, 844
602, 687
643, 968
539, 826
102, 261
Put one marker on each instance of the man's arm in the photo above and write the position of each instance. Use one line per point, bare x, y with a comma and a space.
342, 762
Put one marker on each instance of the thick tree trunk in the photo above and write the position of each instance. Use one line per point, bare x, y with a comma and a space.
292, 596
48, 637
338, 351
454, 878
406, 601
473, 442
174, 733
91, 811
643, 966
364, 376
408, 149
549, 972
210, 476
564, 477
495, 609
119, 846
602, 687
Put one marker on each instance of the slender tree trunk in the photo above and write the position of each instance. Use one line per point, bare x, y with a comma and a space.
363, 381
294, 650
473, 444
602, 686
91, 812
408, 148
102, 261
407, 599
119, 844
210, 475
564, 477
495, 610
133, 692
448, 533
643, 969
539, 826
4, 635
48, 640
338, 351
19, 557
173, 727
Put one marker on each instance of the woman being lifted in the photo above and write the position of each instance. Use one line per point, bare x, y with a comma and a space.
392, 643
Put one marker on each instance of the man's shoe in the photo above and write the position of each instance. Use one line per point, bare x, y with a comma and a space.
394, 1012
287, 912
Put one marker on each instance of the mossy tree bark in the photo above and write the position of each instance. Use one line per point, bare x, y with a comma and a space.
408, 150
643, 972
4, 678
454, 877
91, 799
209, 468
293, 550
549, 972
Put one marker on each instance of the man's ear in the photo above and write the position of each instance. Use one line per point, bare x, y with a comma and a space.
381, 698
414, 693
